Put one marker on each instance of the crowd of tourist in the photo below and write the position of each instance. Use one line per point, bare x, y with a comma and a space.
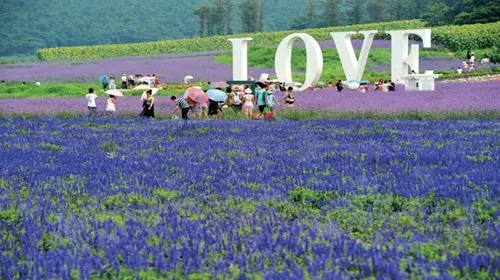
130, 81
469, 64
253, 105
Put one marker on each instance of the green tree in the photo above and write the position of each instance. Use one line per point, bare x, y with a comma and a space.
331, 13
228, 16
309, 20
436, 14
480, 12
356, 11
399, 9
378, 10
251, 15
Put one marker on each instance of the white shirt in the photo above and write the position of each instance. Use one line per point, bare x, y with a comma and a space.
111, 106
91, 99
124, 78
459, 70
385, 87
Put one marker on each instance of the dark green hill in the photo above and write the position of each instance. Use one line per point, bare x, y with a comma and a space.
28, 25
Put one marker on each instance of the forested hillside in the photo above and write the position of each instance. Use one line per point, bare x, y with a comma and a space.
27, 25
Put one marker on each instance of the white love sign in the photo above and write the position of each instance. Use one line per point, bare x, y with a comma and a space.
402, 61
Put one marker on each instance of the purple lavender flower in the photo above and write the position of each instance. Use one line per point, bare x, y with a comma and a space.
451, 96
171, 68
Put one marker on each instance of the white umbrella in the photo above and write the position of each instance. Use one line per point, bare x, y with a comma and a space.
353, 85
188, 79
114, 92
144, 95
143, 87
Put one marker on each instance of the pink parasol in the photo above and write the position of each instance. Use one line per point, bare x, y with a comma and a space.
219, 84
196, 94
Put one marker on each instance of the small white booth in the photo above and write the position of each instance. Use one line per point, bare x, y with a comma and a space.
424, 81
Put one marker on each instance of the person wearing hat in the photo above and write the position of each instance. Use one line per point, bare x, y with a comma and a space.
272, 102
248, 100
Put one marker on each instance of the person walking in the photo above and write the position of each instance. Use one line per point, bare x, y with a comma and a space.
261, 99
272, 102
124, 81
91, 105
237, 100
181, 104
111, 108
248, 100
112, 84
105, 82
148, 105
339, 86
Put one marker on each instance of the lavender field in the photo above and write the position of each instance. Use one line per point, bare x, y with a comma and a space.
448, 97
170, 67
124, 198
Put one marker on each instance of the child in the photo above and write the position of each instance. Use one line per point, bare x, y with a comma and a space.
110, 108
271, 102
91, 105
112, 84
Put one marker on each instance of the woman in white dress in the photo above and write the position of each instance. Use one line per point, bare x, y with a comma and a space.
111, 108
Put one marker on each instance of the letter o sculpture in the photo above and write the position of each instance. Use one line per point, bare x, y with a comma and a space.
283, 60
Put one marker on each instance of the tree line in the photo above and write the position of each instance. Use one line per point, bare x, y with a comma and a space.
217, 17
28, 25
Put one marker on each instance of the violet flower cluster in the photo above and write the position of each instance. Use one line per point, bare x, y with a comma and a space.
126, 198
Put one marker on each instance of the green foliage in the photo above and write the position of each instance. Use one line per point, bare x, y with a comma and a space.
494, 55
17, 90
166, 194
55, 90
462, 12
477, 11
463, 37
51, 147
10, 215
311, 115
436, 14
93, 22
29, 25
305, 196
109, 146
